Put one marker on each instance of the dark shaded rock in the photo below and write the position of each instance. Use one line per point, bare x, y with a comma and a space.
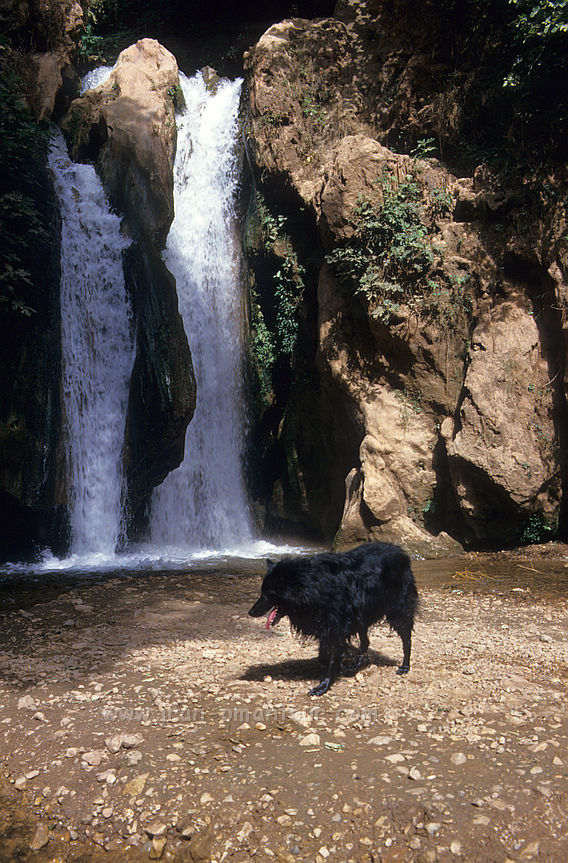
46, 37
162, 388
30, 399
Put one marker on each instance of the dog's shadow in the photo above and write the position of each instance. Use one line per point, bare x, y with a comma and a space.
310, 669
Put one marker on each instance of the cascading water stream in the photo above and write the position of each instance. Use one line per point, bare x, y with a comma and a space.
203, 504
97, 353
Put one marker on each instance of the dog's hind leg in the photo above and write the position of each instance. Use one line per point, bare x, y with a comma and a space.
404, 629
363, 640
361, 657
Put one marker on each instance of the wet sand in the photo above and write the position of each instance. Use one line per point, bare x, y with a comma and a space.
151, 718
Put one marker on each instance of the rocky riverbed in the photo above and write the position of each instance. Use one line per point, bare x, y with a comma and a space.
151, 718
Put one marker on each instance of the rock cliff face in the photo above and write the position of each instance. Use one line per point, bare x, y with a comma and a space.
438, 407
38, 44
45, 36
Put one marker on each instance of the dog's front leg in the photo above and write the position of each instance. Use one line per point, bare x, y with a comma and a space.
330, 657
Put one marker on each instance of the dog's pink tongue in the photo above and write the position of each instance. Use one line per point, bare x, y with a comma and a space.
270, 618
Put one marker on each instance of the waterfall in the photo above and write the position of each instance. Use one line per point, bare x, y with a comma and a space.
97, 354
200, 513
203, 504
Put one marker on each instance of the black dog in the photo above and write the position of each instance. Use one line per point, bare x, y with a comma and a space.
332, 597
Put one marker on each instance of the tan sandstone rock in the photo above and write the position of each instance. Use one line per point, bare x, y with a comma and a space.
128, 124
505, 429
49, 75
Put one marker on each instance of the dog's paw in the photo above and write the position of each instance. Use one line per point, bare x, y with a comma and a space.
403, 669
321, 688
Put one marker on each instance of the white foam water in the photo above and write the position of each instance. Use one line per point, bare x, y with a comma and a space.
97, 354
95, 78
203, 504
232, 560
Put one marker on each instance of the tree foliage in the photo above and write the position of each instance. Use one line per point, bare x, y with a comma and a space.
538, 31
23, 147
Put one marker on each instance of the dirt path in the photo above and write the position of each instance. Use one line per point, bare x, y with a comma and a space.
153, 719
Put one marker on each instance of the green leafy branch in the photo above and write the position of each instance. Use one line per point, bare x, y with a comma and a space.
288, 280
539, 34
389, 258
262, 347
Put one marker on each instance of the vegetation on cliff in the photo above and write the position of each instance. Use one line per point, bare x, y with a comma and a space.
498, 83
277, 298
390, 257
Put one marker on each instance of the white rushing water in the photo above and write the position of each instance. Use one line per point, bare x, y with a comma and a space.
97, 354
95, 78
203, 504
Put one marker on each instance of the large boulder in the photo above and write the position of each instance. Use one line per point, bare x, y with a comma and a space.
392, 486
128, 126
502, 445
301, 91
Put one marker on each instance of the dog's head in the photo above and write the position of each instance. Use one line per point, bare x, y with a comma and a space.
274, 598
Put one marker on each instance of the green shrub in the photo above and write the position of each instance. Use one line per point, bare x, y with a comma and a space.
91, 46
287, 281
271, 226
536, 529
262, 348
277, 297
389, 259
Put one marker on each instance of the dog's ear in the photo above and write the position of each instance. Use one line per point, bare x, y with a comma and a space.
270, 564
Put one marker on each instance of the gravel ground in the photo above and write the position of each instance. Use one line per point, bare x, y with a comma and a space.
151, 718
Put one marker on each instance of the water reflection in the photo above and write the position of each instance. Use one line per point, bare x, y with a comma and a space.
537, 577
